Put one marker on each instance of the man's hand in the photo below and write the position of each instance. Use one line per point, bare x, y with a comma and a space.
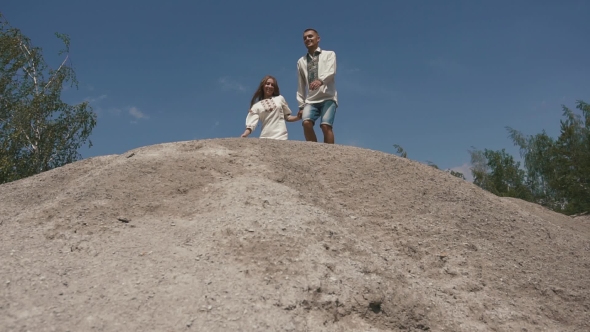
315, 84
300, 114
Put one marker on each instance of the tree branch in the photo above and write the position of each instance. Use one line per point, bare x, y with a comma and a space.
32, 63
57, 71
33, 147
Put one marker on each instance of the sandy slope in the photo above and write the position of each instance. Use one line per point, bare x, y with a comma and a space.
250, 235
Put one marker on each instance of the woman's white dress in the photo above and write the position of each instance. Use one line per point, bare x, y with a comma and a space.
271, 113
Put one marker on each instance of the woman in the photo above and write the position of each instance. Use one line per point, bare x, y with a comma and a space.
269, 107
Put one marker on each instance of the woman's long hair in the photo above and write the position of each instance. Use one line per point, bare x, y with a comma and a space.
259, 94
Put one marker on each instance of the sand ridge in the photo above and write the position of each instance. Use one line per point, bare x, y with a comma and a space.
263, 235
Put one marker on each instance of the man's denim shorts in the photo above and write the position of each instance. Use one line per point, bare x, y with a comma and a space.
326, 110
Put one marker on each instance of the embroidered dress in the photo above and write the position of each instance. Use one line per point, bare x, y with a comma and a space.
272, 113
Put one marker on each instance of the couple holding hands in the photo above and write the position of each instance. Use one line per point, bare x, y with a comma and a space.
316, 95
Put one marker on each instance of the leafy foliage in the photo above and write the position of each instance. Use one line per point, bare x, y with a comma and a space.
497, 172
402, 153
537, 152
456, 174
556, 173
38, 131
431, 164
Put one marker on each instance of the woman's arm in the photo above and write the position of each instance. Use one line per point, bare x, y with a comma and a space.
287, 112
293, 118
251, 123
247, 132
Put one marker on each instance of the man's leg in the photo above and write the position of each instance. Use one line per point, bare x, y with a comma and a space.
328, 112
328, 133
308, 131
309, 115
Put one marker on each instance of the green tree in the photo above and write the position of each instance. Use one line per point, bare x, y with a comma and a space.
431, 164
498, 173
456, 174
558, 171
402, 153
571, 179
38, 131
538, 153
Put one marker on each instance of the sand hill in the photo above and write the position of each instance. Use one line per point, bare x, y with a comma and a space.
260, 235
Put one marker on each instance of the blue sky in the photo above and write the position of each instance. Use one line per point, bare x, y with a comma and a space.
436, 77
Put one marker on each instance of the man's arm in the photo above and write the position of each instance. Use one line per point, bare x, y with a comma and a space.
327, 76
301, 86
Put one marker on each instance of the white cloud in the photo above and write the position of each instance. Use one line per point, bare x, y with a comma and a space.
466, 170
136, 113
348, 68
95, 100
231, 84
115, 111
540, 106
101, 110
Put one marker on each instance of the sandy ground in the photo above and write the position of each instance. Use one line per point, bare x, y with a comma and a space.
261, 235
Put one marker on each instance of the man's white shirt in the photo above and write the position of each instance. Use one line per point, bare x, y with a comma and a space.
326, 74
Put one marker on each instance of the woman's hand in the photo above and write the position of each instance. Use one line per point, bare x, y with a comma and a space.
246, 132
292, 118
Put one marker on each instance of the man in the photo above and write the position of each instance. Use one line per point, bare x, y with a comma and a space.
316, 71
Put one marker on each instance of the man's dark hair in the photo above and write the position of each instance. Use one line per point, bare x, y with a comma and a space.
310, 29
